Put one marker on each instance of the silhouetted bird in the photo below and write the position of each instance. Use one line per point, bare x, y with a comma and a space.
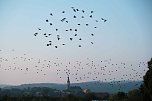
58, 38
47, 20
74, 10
102, 19
35, 34
63, 19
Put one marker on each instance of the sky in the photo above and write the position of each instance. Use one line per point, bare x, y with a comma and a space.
124, 37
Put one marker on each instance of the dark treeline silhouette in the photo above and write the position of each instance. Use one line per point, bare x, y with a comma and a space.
46, 94
146, 88
133, 95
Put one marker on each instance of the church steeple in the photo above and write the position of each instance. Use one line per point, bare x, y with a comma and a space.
68, 83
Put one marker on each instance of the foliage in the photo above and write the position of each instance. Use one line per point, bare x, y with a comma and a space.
41, 94
146, 88
134, 95
120, 96
90, 96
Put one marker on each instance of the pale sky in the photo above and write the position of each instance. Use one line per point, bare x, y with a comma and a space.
124, 37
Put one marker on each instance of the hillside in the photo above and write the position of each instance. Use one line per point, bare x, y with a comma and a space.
94, 86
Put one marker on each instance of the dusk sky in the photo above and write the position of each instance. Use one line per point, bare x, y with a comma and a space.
126, 36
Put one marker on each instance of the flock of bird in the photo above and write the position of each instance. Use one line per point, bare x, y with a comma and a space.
100, 70
82, 70
74, 31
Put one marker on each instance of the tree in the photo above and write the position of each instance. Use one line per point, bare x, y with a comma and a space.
134, 95
146, 88
71, 97
120, 96
90, 96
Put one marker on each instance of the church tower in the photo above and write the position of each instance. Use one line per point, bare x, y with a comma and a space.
68, 83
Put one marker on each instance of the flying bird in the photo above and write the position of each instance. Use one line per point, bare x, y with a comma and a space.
63, 19
47, 20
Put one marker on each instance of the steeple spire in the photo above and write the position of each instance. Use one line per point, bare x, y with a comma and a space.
68, 83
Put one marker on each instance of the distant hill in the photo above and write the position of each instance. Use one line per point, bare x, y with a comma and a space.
106, 87
49, 85
4, 85
94, 86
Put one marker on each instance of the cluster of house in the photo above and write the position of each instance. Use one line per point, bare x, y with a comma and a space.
73, 90
78, 91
